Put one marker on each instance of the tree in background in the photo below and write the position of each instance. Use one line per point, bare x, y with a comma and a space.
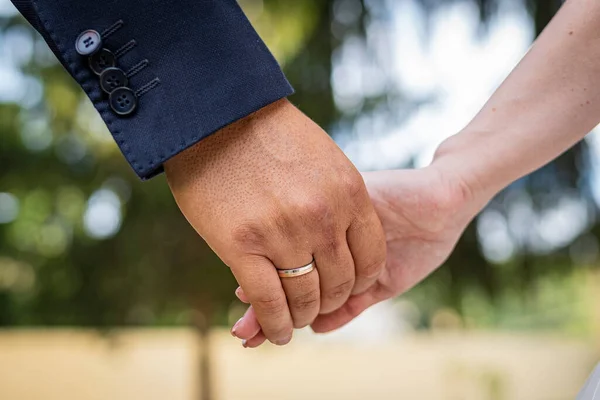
82, 242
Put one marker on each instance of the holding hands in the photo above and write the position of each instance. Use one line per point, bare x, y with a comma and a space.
274, 192
423, 213
545, 106
271, 193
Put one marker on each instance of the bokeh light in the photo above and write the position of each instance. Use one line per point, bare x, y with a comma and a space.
9, 208
102, 217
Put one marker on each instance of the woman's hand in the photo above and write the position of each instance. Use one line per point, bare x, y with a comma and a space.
423, 213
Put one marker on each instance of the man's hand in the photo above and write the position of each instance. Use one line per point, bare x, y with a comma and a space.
274, 191
423, 213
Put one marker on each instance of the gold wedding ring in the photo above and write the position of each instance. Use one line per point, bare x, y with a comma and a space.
292, 273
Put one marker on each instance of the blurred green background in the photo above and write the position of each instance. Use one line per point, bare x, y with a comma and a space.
84, 243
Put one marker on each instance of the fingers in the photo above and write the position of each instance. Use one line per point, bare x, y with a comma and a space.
353, 308
304, 297
263, 288
239, 292
255, 341
324, 322
336, 273
346, 265
302, 292
247, 326
366, 240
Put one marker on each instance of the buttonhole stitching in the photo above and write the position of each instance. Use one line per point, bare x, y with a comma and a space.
137, 68
78, 72
147, 87
112, 29
125, 48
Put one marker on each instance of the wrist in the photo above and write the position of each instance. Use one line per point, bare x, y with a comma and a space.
235, 144
467, 170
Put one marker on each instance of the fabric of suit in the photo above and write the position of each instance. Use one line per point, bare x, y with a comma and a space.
209, 65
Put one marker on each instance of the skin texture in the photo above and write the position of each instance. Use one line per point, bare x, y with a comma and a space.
261, 193
548, 103
423, 213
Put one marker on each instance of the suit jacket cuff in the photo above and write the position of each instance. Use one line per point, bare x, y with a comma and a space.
201, 67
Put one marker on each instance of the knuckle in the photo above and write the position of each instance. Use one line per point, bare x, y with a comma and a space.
354, 185
372, 268
354, 309
340, 290
317, 207
270, 305
329, 239
306, 301
248, 235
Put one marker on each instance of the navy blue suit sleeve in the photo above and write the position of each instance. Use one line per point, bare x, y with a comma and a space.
196, 66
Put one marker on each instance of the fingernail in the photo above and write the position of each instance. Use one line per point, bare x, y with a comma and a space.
283, 342
235, 326
245, 343
237, 291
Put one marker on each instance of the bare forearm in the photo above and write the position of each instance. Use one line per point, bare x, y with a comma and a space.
547, 104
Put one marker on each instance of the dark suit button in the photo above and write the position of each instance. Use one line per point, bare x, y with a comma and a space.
112, 78
88, 42
123, 101
102, 60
